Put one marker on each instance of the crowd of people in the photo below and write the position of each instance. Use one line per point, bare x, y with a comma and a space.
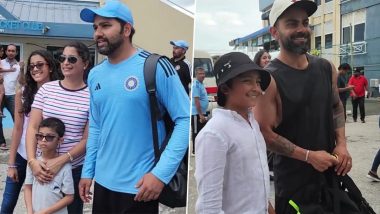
76, 125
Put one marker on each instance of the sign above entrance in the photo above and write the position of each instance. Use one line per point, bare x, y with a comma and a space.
21, 25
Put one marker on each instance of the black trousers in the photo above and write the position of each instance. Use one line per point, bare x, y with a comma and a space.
196, 127
355, 103
76, 207
107, 201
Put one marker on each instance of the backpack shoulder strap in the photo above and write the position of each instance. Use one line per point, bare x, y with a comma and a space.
150, 72
150, 66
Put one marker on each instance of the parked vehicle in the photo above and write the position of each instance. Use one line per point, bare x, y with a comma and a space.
204, 60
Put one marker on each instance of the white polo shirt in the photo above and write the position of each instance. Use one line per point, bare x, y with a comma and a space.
10, 78
231, 166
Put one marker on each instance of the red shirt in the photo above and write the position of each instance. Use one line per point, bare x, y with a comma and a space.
360, 84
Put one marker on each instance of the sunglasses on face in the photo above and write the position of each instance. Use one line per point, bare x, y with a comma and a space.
48, 138
70, 59
38, 65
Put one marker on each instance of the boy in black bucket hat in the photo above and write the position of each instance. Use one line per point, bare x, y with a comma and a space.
231, 164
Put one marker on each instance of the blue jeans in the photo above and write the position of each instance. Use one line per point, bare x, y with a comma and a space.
9, 103
376, 162
12, 188
77, 206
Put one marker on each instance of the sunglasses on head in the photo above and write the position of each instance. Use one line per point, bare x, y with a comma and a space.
38, 65
48, 138
70, 59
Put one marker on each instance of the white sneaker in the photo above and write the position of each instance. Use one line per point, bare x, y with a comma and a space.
373, 176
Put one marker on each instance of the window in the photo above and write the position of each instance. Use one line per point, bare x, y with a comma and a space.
204, 63
328, 41
346, 35
318, 42
359, 32
318, 2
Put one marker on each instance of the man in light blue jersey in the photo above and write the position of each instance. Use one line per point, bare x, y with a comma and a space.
199, 104
120, 154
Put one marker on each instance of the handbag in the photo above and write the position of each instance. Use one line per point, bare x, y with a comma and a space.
335, 195
174, 193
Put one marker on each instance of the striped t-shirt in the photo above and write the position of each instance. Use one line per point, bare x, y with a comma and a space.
70, 106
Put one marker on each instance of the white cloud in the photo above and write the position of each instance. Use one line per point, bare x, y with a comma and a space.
229, 18
205, 19
218, 22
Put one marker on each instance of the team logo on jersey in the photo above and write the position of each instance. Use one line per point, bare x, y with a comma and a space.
131, 83
177, 67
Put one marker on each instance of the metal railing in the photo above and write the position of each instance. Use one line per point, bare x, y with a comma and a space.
355, 48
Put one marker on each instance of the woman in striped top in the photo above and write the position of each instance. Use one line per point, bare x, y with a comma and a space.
67, 100
41, 68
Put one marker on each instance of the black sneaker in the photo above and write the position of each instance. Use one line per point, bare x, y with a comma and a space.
373, 176
363, 121
355, 120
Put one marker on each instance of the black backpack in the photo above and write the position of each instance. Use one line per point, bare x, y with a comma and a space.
336, 195
175, 192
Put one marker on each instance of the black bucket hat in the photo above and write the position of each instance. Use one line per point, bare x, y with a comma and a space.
232, 64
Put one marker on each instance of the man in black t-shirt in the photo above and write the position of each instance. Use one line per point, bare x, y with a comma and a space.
344, 89
180, 63
300, 115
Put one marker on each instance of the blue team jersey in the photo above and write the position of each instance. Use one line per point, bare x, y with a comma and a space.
120, 146
199, 90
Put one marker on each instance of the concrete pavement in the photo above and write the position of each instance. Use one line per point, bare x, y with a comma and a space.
363, 140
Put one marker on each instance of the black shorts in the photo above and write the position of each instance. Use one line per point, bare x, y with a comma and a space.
107, 201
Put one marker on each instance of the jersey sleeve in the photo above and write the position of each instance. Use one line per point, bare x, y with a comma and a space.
93, 134
195, 90
173, 97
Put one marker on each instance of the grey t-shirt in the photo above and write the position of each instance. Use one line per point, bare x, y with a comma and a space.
46, 195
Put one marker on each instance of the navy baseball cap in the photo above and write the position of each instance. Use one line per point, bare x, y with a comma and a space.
180, 43
112, 9
232, 64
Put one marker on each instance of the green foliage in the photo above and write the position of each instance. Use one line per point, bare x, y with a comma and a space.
315, 52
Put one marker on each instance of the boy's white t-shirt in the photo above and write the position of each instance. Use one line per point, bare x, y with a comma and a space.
231, 166
45, 195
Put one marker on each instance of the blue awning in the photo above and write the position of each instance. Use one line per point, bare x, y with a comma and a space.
254, 35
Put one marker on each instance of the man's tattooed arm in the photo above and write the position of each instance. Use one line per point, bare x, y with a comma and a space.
338, 110
282, 146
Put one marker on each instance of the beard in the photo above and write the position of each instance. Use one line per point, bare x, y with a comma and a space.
111, 47
176, 55
297, 48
